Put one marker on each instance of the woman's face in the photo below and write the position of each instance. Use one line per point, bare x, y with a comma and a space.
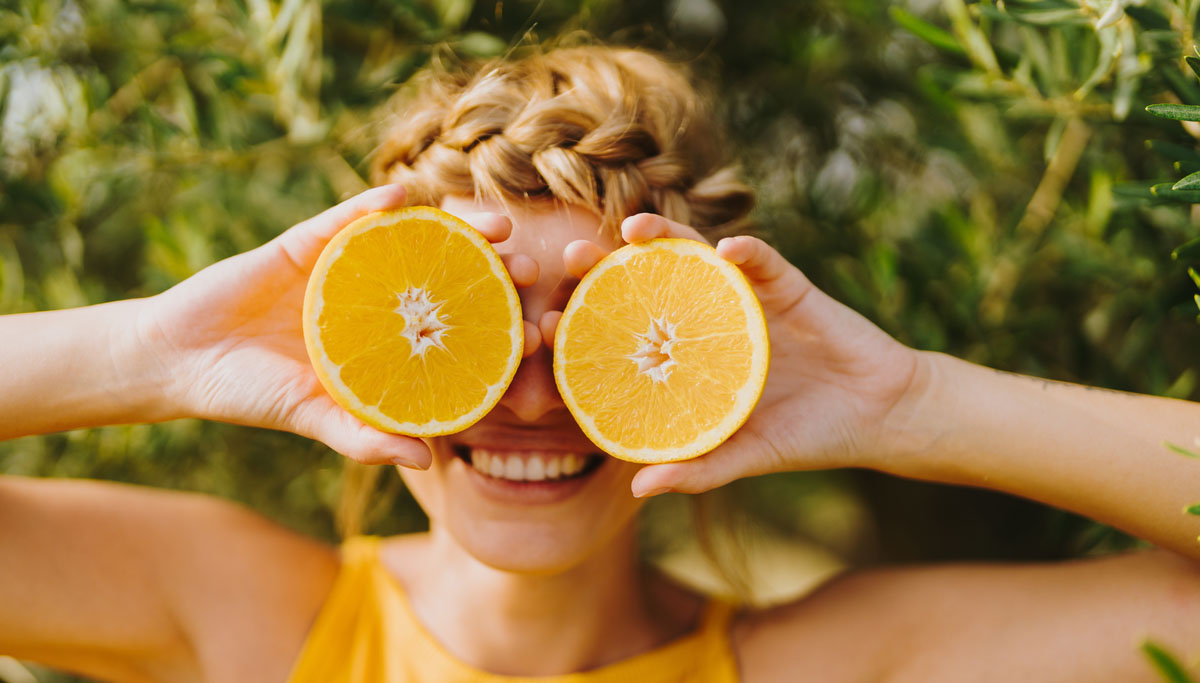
523, 489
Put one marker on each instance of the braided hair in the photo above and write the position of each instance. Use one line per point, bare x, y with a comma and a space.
619, 131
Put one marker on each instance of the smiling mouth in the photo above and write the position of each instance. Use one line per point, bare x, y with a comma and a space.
529, 466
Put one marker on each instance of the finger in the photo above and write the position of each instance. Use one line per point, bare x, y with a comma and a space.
581, 256
304, 242
648, 226
494, 226
755, 257
521, 268
547, 325
327, 422
779, 285
533, 339
740, 456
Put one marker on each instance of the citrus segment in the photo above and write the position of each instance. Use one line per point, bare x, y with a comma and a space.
412, 322
662, 351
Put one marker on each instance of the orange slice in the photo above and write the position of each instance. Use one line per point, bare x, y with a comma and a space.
662, 351
412, 322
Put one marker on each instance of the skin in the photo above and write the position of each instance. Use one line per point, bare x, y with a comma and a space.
168, 586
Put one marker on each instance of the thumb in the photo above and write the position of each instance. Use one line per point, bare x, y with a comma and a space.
303, 242
744, 454
326, 421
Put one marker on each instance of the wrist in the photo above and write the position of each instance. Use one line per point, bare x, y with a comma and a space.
912, 428
143, 363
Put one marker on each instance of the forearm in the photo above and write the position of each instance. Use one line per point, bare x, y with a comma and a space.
1096, 452
76, 368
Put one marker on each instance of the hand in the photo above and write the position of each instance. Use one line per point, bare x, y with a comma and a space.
230, 337
833, 381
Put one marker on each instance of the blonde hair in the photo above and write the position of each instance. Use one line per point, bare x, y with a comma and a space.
616, 130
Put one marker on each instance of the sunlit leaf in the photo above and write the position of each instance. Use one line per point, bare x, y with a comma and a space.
1165, 664
453, 12
1039, 17
1165, 191
934, 35
1133, 190
1187, 250
1181, 450
1194, 63
1178, 112
480, 44
1190, 182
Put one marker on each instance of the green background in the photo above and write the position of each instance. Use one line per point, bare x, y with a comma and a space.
970, 177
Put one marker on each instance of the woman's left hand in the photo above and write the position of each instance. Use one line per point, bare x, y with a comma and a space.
833, 382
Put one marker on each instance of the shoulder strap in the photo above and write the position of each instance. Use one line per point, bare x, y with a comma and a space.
358, 551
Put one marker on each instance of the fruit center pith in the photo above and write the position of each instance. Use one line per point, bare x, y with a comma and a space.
423, 327
653, 357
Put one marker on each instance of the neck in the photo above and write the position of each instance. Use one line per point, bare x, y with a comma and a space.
600, 611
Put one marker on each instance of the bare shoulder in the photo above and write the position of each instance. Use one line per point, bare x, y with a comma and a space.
251, 588
128, 583
1082, 620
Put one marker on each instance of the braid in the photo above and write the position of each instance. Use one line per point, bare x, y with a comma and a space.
618, 131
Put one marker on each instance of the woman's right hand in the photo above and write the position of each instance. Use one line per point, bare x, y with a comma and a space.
230, 340
834, 380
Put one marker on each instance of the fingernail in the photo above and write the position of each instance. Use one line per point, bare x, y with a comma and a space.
652, 492
404, 462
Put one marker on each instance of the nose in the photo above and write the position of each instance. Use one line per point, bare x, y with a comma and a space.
533, 393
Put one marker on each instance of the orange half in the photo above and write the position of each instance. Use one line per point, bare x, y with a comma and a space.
412, 322
662, 351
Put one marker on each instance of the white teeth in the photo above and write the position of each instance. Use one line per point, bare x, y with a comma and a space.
534, 470
496, 467
530, 467
515, 469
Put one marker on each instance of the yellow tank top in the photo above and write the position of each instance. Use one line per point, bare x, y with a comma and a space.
367, 633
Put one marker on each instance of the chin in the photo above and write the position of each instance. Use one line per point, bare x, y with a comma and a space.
526, 502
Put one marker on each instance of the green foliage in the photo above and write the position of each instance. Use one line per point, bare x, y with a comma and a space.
1164, 664
1178, 112
1183, 451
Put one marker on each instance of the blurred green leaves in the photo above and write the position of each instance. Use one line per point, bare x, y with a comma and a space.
1165, 664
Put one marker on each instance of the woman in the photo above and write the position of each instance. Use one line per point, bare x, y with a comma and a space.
547, 156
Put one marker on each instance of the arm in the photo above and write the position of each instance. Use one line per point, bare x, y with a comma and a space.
1084, 620
97, 377
842, 393
131, 584
1096, 452
225, 344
